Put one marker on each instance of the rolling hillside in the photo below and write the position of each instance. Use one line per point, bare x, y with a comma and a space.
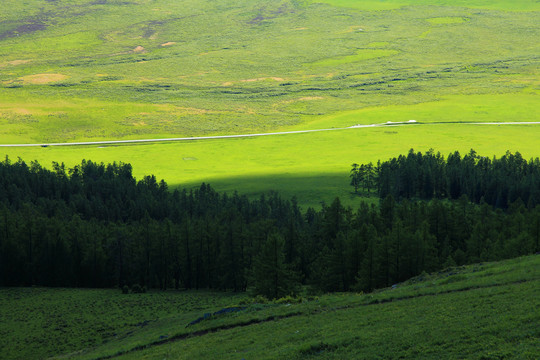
482, 311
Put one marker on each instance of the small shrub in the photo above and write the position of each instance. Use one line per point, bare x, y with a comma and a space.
288, 300
452, 279
259, 299
246, 301
125, 289
136, 289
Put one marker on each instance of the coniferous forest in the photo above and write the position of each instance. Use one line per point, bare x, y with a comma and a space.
498, 182
95, 225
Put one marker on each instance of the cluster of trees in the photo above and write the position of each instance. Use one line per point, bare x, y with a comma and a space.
363, 176
95, 225
498, 182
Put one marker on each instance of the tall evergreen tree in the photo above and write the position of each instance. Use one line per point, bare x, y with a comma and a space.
273, 278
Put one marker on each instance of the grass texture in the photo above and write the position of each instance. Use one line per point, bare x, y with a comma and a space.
76, 70
480, 311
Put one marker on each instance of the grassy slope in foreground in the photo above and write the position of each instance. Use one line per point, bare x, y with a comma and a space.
487, 311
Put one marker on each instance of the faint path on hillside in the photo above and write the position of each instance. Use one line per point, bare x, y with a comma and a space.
283, 317
193, 138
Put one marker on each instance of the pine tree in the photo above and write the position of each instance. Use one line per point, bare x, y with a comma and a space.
355, 177
273, 278
367, 274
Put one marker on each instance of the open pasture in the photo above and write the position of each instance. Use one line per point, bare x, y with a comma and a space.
313, 166
78, 70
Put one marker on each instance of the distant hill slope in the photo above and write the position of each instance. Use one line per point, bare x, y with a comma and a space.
482, 311
512, 5
81, 69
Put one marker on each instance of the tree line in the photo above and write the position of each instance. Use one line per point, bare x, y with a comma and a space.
95, 225
498, 182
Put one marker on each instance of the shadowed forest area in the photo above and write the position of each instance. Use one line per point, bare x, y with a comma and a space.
95, 225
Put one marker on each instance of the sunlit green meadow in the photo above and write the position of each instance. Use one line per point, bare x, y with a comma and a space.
80, 70
312, 166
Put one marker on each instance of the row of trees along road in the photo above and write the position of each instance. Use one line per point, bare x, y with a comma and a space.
95, 225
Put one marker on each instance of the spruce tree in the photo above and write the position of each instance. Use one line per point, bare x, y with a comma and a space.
272, 277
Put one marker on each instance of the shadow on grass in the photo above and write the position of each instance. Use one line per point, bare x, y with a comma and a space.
310, 190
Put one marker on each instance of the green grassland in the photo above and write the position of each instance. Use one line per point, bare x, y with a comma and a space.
487, 311
42, 322
75, 70
516, 5
312, 166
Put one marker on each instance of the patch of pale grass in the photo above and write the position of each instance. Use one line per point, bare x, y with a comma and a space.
14, 63
42, 78
305, 98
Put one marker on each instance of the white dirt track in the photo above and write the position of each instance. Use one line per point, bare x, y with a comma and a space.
194, 138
